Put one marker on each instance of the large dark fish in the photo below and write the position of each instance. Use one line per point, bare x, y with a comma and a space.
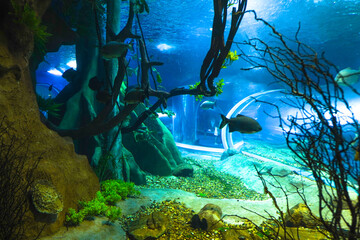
241, 124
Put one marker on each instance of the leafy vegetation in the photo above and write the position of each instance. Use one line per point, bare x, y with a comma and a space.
230, 58
158, 76
48, 106
231, 3
116, 190
194, 86
219, 89
111, 192
26, 16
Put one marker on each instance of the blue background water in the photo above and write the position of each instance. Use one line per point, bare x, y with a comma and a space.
327, 26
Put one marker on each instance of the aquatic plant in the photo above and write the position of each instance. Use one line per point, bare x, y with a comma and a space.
90, 209
48, 105
230, 58
316, 135
16, 179
218, 89
26, 16
158, 76
195, 86
111, 192
116, 190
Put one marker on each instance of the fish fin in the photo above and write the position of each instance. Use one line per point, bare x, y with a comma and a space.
240, 115
224, 121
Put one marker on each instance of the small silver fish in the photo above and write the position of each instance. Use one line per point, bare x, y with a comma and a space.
241, 124
135, 95
348, 76
208, 105
114, 49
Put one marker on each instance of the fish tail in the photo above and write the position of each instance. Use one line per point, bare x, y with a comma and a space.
224, 121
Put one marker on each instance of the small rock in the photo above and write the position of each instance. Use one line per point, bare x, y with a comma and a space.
228, 152
281, 171
148, 227
45, 197
232, 234
183, 170
300, 216
212, 207
208, 218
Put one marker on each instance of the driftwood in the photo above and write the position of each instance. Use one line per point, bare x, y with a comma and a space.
210, 69
317, 134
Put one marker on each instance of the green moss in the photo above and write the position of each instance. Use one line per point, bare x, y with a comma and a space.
112, 191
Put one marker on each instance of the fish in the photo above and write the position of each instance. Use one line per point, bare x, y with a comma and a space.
347, 76
95, 84
208, 105
51, 87
135, 95
241, 123
103, 96
131, 71
114, 49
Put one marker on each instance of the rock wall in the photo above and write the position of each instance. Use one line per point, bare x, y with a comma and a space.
68, 172
153, 146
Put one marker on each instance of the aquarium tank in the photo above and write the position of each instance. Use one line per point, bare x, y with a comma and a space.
144, 119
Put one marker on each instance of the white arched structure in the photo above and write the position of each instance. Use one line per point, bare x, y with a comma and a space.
226, 136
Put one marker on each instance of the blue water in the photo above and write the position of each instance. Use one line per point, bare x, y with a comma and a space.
330, 26
178, 34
